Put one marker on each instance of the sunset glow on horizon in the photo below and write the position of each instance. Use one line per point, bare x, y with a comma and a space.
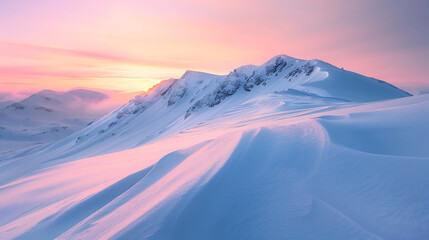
132, 45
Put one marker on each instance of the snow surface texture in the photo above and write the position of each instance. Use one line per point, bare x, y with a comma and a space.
292, 149
45, 117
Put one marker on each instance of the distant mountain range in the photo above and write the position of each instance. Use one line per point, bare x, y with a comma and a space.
48, 116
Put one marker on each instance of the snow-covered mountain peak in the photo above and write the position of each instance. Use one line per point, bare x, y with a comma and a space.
190, 74
198, 90
196, 96
282, 57
61, 99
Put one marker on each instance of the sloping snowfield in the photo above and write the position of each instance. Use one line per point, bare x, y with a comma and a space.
286, 164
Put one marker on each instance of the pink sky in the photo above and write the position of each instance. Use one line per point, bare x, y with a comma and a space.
130, 45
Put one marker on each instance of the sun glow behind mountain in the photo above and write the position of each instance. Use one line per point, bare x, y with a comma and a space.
59, 68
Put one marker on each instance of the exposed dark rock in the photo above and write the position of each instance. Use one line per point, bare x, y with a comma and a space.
294, 72
162, 93
308, 68
16, 106
276, 65
43, 108
176, 96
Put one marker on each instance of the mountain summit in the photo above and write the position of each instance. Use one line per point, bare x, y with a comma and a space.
201, 90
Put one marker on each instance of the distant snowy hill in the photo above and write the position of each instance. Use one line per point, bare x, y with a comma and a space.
291, 149
46, 116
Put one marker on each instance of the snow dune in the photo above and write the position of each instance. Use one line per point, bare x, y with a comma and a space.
273, 163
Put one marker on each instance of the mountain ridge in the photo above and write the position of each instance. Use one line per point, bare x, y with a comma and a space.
249, 76
177, 103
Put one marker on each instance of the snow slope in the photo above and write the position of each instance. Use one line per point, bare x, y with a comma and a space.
211, 157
